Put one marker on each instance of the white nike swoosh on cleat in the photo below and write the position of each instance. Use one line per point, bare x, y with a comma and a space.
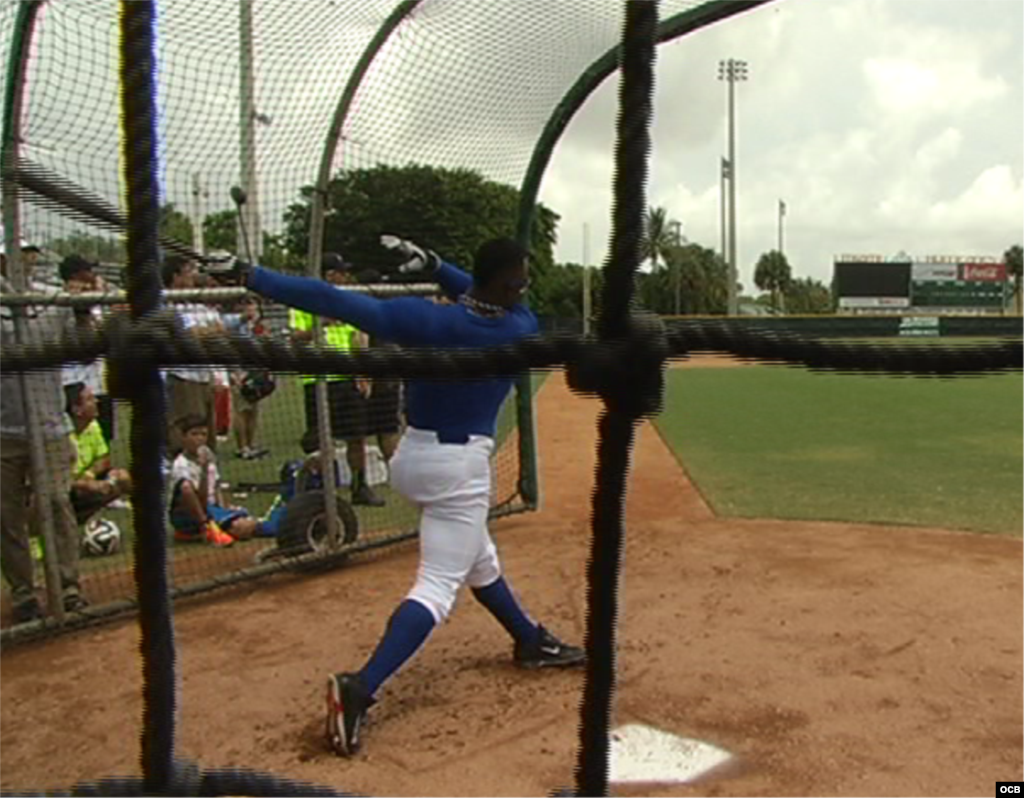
554, 651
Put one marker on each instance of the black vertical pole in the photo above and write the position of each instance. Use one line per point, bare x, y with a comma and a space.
138, 377
616, 427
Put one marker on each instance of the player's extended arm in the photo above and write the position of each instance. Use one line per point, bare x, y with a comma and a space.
405, 320
453, 280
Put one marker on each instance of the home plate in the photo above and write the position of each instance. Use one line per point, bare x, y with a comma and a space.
643, 754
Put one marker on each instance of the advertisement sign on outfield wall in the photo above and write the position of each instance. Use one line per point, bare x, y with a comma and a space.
874, 302
917, 326
934, 272
983, 272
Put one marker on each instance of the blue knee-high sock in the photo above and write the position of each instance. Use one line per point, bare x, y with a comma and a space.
498, 599
410, 625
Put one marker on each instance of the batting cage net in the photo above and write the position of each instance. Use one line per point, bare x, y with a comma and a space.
149, 145
246, 96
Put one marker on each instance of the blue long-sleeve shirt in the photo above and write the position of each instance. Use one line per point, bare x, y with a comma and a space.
454, 409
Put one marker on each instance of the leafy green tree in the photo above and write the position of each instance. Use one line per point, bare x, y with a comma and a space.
1014, 267
773, 274
93, 247
661, 236
807, 296
705, 281
658, 237
452, 211
175, 224
560, 293
278, 257
220, 230
700, 275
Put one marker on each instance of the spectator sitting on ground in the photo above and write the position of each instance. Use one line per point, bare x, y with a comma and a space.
198, 510
79, 275
94, 484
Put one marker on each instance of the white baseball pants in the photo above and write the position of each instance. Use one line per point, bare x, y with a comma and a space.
451, 484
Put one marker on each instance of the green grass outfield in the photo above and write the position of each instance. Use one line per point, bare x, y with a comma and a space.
776, 442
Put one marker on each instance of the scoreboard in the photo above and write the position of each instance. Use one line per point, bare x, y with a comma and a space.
872, 284
969, 285
932, 283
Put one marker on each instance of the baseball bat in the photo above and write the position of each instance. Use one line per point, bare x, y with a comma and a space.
238, 196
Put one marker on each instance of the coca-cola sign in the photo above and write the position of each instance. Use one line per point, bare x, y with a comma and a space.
983, 272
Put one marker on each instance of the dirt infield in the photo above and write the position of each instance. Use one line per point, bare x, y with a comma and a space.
709, 360
831, 659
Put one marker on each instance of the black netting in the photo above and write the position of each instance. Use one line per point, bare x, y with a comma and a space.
454, 87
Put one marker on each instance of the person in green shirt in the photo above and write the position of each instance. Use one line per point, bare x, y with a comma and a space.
94, 484
347, 396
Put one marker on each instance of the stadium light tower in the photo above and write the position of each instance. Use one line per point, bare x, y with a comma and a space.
732, 71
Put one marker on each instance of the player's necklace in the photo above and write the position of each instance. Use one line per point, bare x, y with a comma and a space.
481, 308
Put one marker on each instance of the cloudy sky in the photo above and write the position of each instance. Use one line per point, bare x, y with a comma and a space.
884, 125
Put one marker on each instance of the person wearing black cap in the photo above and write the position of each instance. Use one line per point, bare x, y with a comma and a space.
29, 255
347, 396
191, 390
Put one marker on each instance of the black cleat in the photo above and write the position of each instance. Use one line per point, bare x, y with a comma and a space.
548, 652
347, 703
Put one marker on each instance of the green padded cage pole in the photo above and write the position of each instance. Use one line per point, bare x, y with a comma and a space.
315, 255
529, 464
14, 94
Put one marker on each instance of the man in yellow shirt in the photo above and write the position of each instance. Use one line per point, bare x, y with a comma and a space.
347, 396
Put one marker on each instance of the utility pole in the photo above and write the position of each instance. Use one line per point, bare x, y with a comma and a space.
587, 294
721, 201
247, 134
678, 241
198, 212
782, 213
732, 71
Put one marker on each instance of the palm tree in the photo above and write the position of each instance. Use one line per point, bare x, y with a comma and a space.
658, 237
660, 243
772, 273
1013, 259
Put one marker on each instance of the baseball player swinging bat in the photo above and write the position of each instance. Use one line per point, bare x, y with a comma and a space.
442, 463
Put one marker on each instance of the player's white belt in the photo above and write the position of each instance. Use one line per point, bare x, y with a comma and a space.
432, 436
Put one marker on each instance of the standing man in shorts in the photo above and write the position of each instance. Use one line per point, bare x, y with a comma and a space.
190, 389
384, 416
347, 397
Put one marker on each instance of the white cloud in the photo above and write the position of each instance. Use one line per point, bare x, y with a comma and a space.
885, 125
904, 87
939, 150
991, 203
